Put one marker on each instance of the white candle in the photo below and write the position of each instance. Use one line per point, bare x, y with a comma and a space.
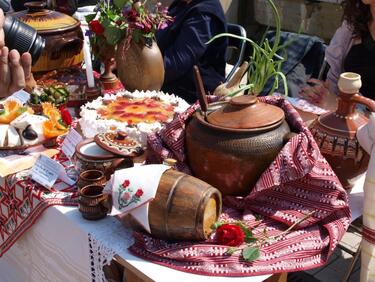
88, 63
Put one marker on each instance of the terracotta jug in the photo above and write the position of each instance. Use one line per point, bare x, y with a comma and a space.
140, 66
335, 132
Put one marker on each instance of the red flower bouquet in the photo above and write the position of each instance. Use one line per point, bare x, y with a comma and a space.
130, 19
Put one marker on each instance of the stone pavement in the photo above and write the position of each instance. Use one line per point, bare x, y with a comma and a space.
337, 266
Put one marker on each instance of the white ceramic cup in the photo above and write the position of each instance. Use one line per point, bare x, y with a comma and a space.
349, 82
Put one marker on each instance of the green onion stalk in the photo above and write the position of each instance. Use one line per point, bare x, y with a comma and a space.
265, 62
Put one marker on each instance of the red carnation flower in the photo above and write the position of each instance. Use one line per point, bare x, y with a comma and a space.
65, 116
230, 235
139, 193
96, 27
126, 183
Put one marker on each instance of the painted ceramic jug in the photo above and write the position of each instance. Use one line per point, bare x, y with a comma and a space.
335, 132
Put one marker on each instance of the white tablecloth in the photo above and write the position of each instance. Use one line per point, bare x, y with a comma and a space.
62, 246
56, 248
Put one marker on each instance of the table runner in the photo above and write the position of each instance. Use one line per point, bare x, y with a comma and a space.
22, 201
298, 182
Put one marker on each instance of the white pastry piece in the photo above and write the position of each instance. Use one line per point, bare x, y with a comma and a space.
26, 119
13, 137
3, 134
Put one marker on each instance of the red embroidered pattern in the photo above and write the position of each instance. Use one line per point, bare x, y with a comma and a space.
298, 182
22, 201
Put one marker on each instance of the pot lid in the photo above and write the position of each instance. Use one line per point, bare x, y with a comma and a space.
44, 20
118, 143
246, 112
90, 150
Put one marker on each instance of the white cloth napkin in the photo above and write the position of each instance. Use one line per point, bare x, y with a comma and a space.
366, 137
133, 188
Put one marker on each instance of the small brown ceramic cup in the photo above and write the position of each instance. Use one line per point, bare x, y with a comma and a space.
89, 177
93, 204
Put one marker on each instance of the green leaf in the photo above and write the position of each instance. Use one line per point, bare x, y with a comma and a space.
231, 250
250, 240
112, 34
245, 230
21, 110
62, 123
90, 17
2, 111
120, 3
216, 225
250, 253
137, 35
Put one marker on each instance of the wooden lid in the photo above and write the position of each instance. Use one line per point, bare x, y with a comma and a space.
246, 112
118, 143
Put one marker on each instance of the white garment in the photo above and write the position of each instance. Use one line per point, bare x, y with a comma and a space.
366, 137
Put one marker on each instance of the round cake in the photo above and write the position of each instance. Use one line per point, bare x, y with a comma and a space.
135, 113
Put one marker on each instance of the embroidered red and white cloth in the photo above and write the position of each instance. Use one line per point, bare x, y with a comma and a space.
22, 201
298, 182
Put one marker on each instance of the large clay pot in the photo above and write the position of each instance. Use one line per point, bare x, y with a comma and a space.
232, 147
184, 208
140, 65
335, 132
63, 35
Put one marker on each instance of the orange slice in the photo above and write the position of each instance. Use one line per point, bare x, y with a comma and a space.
11, 111
50, 131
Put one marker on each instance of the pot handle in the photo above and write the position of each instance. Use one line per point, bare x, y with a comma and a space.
364, 101
119, 163
106, 203
35, 6
73, 45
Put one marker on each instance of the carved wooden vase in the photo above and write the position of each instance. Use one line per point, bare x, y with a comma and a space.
140, 65
106, 54
335, 132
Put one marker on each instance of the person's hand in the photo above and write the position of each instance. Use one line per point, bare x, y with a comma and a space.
316, 92
2, 39
15, 70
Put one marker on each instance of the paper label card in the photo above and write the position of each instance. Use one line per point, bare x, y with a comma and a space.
20, 96
70, 142
45, 171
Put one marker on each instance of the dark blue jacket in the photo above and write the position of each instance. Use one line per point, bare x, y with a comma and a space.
183, 45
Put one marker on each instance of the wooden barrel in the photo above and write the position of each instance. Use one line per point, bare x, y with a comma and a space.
184, 207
